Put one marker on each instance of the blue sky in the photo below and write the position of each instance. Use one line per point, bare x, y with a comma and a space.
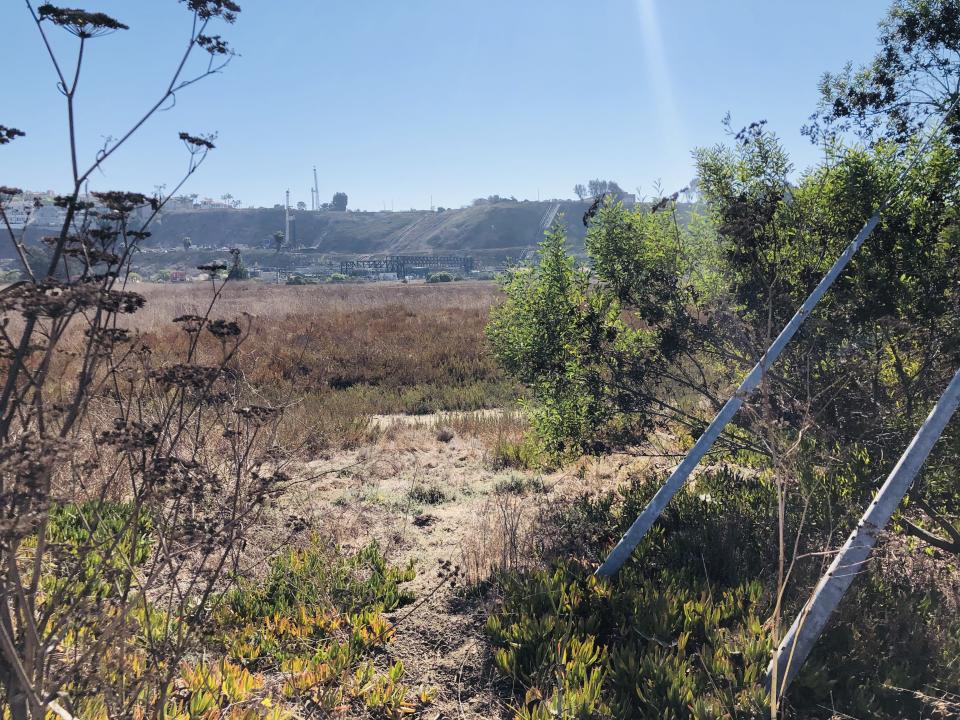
395, 101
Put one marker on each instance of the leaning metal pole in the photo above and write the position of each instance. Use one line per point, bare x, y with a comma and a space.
619, 555
808, 625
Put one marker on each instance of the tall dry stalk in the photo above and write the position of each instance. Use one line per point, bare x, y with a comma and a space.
126, 485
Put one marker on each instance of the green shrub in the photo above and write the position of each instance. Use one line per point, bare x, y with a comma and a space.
440, 277
427, 494
296, 279
315, 577
519, 485
580, 647
708, 568
90, 534
521, 454
315, 622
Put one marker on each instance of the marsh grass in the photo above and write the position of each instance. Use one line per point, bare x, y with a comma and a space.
336, 355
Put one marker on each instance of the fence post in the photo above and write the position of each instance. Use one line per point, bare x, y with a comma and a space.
808, 625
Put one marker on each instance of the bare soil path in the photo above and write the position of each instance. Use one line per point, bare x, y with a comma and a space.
440, 503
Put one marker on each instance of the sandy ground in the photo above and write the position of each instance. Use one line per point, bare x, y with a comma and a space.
440, 503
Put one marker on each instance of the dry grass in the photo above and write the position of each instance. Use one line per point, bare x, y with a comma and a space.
338, 354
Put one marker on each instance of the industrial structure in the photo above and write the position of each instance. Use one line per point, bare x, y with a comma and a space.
407, 265
315, 192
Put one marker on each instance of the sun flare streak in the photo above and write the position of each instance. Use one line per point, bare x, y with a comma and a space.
657, 71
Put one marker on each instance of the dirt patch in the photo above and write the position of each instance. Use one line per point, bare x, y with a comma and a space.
440, 503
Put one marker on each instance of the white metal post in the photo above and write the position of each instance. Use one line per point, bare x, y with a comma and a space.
806, 629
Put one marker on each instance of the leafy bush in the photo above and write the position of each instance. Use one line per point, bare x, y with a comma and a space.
440, 277
580, 647
570, 333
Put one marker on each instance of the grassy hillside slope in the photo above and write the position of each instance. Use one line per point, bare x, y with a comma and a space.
498, 230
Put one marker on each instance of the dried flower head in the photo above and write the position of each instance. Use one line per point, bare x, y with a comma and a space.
207, 9
28, 464
214, 44
196, 143
191, 323
8, 134
122, 202
131, 435
53, 299
223, 329
81, 23
186, 376
65, 201
256, 413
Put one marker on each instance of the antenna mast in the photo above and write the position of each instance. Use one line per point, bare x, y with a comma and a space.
286, 218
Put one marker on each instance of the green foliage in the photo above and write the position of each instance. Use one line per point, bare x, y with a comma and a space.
296, 279
317, 618
679, 633
539, 333
519, 485
566, 333
912, 78
523, 454
311, 626
440, 277
98, 545
427, 494
634, 648
711, 549
339, 201
316, 577
339, 278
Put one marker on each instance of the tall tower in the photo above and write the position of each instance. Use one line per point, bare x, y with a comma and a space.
316, 190
286, 219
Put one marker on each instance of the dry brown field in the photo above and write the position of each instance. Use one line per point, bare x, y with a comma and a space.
334, 355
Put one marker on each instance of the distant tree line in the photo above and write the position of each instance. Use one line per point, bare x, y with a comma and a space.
596, 188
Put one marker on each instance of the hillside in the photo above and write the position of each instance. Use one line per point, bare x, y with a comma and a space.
491, 233
494, 231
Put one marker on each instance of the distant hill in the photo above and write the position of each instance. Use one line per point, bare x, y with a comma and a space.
494, 231
490, 232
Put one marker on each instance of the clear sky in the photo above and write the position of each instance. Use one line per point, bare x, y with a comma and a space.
397, 101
